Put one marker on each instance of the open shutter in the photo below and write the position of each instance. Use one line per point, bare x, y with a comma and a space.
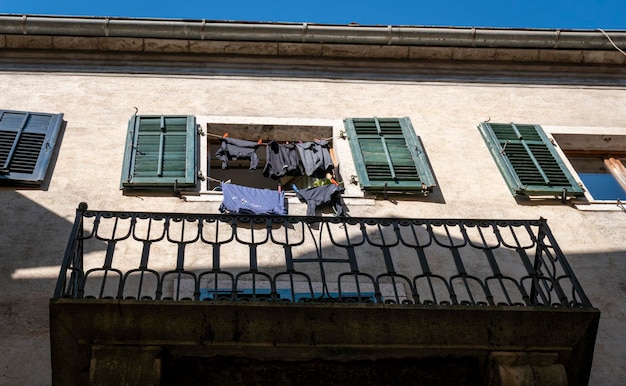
27, 142
160, 152
388, 154
528, 160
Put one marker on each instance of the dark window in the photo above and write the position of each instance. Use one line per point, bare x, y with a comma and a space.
284, 294
238, 171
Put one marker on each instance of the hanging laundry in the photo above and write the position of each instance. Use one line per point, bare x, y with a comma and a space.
315, 157
233, 149
320, 195
245, 200
282, 160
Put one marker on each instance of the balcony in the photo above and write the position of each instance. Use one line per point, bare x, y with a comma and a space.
167, 297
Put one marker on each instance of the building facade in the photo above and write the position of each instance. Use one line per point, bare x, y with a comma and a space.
466, 134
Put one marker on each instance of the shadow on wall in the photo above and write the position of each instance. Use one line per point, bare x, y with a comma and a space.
32, 244
32, 240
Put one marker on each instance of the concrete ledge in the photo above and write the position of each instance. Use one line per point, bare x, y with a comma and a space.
300, 49
365, 51
525, 368
125, 365
314, 50
306, 331
74, 43
120, 44
28, 41
166, 45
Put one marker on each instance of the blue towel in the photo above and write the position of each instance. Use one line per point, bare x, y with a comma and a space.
245, 200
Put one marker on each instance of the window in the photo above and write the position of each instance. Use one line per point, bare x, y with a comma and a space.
239, 169
528, 160
296, 291
284, 294
599, 161
181, 153
388, 155
160, 152
27, 141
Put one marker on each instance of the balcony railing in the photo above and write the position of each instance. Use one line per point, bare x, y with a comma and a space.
210, 257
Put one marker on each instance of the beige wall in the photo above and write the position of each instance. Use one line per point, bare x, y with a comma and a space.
35, 223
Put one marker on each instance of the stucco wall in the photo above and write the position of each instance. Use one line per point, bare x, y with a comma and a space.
36, 222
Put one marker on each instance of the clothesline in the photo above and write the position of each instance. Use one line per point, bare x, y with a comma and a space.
260, 142
216, 180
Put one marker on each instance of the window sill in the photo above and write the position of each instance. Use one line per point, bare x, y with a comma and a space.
599, 206
290, 196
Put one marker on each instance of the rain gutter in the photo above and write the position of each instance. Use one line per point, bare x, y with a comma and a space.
311, 33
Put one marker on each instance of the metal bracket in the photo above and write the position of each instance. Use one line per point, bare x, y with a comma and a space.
504, 147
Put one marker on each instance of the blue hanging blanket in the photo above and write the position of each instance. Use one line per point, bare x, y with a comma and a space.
245, 200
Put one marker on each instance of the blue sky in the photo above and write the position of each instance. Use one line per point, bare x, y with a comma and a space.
564, 14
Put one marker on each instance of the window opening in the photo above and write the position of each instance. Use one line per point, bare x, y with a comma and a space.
239, 169
597, 177
282, 294
599, 161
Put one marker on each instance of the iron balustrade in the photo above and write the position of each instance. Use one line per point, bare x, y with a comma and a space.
195, 257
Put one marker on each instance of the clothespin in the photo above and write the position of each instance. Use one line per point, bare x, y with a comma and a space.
331, 179
280, 188
225, 135
260, 141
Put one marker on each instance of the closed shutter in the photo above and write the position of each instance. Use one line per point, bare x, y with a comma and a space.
528, 160
160, 152
27, 142
388, 154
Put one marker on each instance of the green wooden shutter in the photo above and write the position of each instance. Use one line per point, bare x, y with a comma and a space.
386, 151
528, 160
160, 152
27, 142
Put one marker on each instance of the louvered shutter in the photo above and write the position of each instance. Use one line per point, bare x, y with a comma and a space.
27, 142
386, 151
160, 152
528, 160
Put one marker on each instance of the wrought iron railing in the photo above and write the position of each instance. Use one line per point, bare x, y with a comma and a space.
174, 256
